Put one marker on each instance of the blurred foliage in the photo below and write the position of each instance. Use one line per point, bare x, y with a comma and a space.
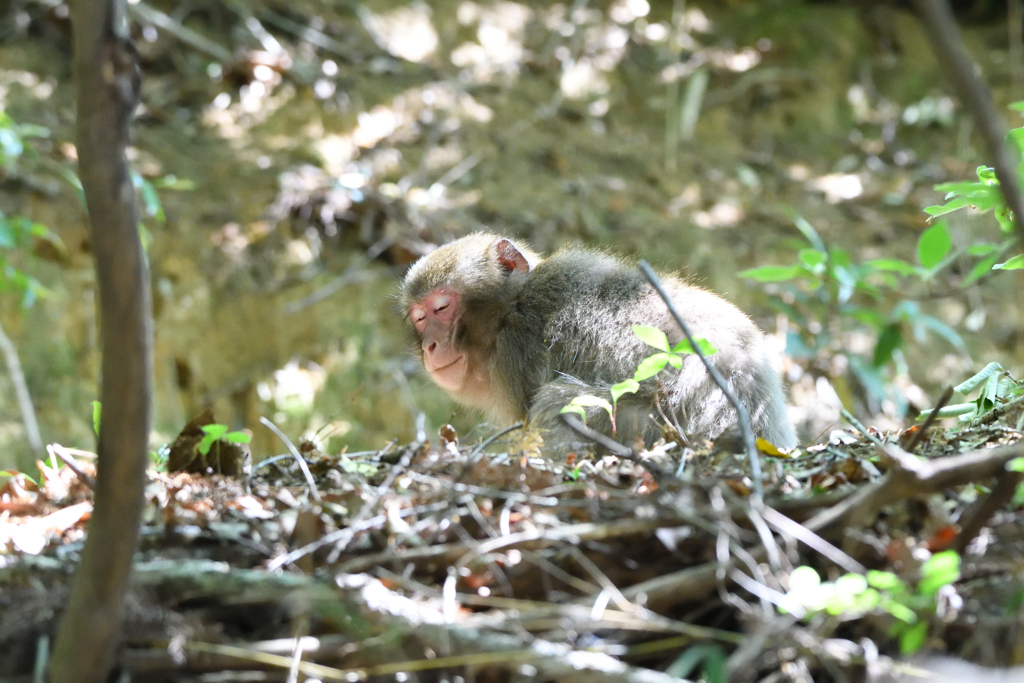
18, 232
854, 596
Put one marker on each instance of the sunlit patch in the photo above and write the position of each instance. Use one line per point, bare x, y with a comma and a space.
930, 110
690, 196
695, 20
838, 187
743, 60
299, 252
406, 32
582, 79
798, 172
230, 240
336, 151
625, 11
656, 32
295, 387
499, 47
375, 125
722, 215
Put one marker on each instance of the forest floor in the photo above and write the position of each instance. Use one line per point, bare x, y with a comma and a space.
430, 561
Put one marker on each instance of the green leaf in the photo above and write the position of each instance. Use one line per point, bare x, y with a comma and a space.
969, 385
933, 245
868, 316
587, 400
211, 432
812, 259
771, 273
706, 347
913, 638
987, 175
805, 228
892, 264
675, 361
982, 249
965, 188
628, 386
575, 409
851, 585
651, 366
1004, 216
948, 207
652, 336
889, 340
939, 570
803, 579
886, 581
980, 269
215, 430
1016, 136
237, 437
1015, 465
1015, 263
97, 411
173, 182
900, 611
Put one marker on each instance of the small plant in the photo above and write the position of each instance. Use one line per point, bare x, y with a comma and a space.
996, 387
158, 458
825, 284
826, 293
353, 466
985, 195
648, 368
853, 595
216, 432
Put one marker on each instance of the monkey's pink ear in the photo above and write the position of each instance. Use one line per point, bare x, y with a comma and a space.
510, 258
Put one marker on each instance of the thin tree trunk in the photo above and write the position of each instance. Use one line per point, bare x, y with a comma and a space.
107, 75
28, 412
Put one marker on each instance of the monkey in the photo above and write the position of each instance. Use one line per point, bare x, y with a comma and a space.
518, 337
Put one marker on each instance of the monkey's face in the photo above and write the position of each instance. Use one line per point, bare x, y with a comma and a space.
436, 318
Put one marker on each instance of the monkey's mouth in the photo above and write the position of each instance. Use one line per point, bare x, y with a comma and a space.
450, 375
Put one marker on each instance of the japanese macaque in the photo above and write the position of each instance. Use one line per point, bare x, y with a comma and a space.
518, 337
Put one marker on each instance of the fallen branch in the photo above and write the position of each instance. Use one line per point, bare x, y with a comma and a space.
903, 481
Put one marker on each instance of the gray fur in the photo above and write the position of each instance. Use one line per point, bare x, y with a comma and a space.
565, 329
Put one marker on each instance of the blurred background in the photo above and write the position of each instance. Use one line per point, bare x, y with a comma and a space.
293, 158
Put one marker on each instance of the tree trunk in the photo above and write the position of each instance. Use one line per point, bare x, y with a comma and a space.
106, 70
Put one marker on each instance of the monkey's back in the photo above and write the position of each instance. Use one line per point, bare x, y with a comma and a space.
592, 301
